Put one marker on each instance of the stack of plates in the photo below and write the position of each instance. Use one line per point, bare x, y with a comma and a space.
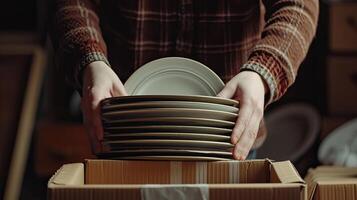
171, 114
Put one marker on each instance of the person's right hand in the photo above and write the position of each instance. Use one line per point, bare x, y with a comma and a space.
99, 82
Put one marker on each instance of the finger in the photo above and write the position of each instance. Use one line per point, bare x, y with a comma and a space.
244, 115
261, 136
92, 111
95, 113
95, 144
228, 91
97, 125
248, 137
242, 148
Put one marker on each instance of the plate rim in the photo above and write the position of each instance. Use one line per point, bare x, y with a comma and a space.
148, 134
186, 158
192, 98
170, 104
173, 127
163, 119
161, 65
158, 111
158, 141
171, 150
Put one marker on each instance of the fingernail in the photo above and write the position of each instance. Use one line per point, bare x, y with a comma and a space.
232, 150
240, 157
236, 156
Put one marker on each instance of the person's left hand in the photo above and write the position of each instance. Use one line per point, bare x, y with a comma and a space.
249, 89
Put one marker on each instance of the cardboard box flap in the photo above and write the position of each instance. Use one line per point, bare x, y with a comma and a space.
284, 172
69, 174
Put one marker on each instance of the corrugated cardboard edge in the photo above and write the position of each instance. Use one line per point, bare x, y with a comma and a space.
322, 177
311, 181
68, 174
311, 184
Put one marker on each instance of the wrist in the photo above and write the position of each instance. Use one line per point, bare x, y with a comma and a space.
91, 70
93, 66
96, 63
87, 61
256, 77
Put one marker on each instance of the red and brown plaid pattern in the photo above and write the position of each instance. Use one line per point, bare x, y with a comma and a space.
226, 35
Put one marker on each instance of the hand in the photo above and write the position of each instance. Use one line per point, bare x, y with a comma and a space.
99, 82
249, 89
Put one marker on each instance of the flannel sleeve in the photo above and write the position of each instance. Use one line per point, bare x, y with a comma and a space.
289, 29
77, 38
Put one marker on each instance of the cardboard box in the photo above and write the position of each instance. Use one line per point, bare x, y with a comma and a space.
342, 85
343, 17
332, 183
117, 179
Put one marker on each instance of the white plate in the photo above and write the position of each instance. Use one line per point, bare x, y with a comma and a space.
169, 128
167, 135
167, 143
192, 98
174, 75
169, 104
162, 152
177, 158
292, 131
339, 145
170, 112
186, 121
111, 148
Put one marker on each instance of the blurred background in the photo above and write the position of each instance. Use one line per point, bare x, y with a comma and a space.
40, 121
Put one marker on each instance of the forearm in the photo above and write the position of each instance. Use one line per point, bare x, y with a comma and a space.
289, 30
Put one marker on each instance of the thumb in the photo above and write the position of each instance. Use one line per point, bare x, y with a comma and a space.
228, 91
119, 89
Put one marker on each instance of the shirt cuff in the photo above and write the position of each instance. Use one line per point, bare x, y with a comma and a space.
267, 77
84, 62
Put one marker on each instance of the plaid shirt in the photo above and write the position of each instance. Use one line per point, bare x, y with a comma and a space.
226, 35
270, 37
